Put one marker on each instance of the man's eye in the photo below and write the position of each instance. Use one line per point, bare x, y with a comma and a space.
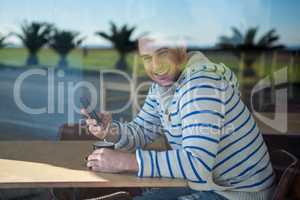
147, 59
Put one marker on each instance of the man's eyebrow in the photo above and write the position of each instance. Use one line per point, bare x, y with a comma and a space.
158, 51
145, 56
161, 50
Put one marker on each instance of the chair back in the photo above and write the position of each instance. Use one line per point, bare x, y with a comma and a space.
286, 167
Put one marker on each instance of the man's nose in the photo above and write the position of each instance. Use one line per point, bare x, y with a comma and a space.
161, 68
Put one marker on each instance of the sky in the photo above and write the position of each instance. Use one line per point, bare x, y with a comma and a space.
198, 22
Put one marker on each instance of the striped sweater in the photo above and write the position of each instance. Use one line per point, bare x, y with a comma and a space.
216, 144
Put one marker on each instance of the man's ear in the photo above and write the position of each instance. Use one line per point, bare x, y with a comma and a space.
181, 55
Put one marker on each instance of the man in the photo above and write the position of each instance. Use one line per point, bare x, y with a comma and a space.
216, 144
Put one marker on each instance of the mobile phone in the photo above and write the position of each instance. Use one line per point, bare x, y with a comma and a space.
85, 104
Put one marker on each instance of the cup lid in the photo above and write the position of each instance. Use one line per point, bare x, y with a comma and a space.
103, 144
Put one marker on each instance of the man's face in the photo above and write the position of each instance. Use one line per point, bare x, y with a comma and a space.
160, 63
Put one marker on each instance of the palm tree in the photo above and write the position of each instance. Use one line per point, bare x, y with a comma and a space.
122, 42
63, 42
34, 36
2, 41
246, 47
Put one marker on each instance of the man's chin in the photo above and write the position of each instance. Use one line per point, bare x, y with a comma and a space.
165, 83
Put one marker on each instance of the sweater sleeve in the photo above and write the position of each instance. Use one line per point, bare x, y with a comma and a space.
201, 108
143, 129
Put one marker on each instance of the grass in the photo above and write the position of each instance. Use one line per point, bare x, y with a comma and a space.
106, 58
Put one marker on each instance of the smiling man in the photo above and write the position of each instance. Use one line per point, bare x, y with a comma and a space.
216, 144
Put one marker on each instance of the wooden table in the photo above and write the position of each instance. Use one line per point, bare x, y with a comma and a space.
55, 164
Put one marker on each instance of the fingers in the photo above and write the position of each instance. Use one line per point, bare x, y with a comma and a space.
105, 117
96, 131
94, 156
91, 122
93, 164
84, 112
103, 160
98, 154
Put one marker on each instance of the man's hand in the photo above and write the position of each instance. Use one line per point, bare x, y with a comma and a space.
112, 161
103, 130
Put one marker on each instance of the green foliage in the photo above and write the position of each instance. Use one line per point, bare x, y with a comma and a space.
246, 47
122, 42
247, 41
35, 35
269, 40
120, 38
64, 41
2, 41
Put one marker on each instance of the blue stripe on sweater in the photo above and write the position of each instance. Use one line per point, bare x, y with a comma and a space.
176, 125
242, 161
138, 135
254, 165
198, 77
169, 164
152, 164
203, 112
141, 174
237, 116
237, 140
189, 155
257, 183
149, 130
133, 138
200, 149
144, 120
233, 107
201, 125
150, 114
203, 137
202, 87
202, 99
204, 164
195, 100
230, 98
223, 137
157, 165
154, 101
169, 133
251, 167
237, 152
179, 162
147, 103
175, 143
146, 136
